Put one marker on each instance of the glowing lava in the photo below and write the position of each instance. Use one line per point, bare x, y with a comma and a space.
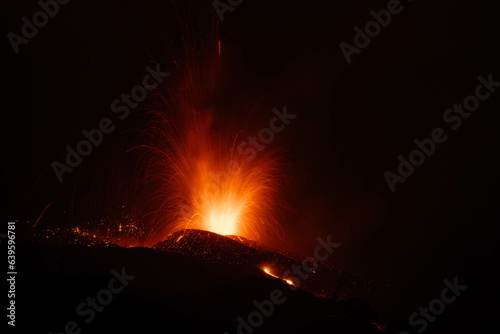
217, 189
267, 271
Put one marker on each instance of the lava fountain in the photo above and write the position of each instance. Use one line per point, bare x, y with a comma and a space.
202, 171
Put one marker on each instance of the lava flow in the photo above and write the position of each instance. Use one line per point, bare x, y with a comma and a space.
200, 174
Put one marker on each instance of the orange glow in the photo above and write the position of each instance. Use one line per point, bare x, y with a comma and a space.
223, 221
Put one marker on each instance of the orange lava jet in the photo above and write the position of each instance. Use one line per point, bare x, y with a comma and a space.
205, 184
221, 191
202, 172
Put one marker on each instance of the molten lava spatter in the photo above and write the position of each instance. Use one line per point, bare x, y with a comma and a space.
267, 271
206, 185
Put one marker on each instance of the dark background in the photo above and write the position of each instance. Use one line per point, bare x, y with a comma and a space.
354, 120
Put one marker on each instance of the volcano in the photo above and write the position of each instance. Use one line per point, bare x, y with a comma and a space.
192, 280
